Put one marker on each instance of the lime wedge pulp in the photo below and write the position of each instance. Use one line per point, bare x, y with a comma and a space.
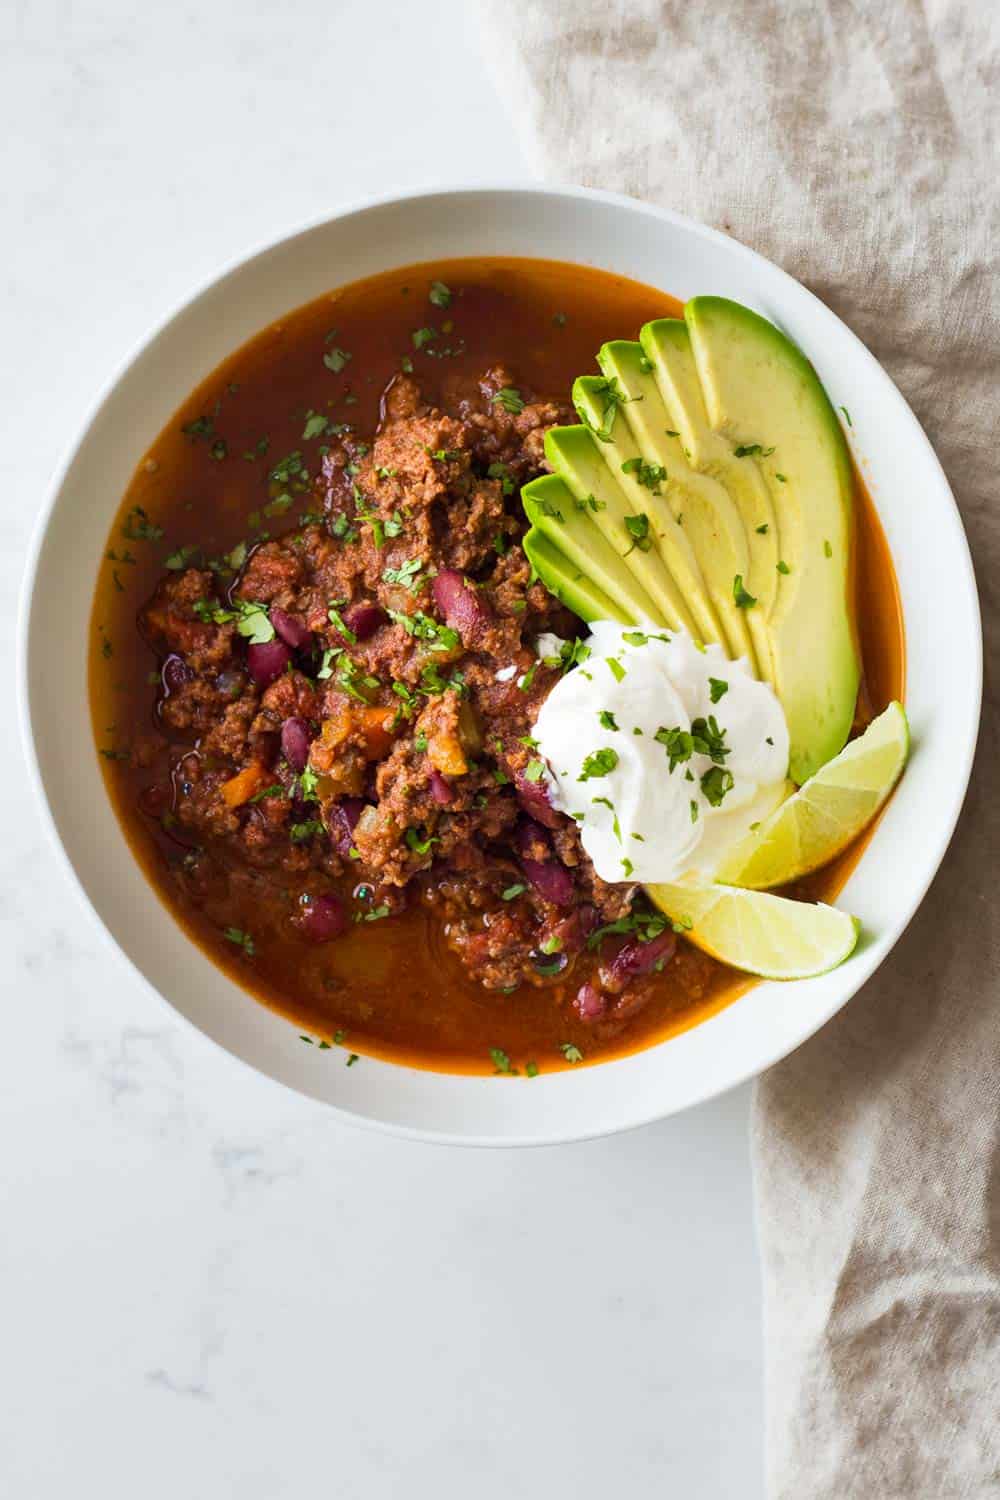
826, 813
761, 934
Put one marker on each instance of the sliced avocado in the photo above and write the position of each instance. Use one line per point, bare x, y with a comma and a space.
572, 452
763, 394
667, 345
657, 478
570, 527
564, 579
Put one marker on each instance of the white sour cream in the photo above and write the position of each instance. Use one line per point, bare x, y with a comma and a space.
597, 732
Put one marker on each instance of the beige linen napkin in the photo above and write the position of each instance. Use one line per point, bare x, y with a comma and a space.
858, 145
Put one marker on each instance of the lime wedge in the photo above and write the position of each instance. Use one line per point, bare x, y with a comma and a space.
761, 934
827, 811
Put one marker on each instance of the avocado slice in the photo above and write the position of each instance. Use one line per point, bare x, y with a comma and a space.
569, 527
578, 592
572, 452
763, 394
690, 508
666, 343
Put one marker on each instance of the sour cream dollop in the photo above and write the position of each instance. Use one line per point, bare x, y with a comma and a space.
651, 740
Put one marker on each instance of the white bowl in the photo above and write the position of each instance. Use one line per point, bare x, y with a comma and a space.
944, 655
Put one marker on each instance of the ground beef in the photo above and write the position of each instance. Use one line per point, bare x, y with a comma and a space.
395, 746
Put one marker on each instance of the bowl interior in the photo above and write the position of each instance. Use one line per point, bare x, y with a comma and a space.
924, 534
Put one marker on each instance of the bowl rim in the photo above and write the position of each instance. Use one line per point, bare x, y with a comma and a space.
962, 770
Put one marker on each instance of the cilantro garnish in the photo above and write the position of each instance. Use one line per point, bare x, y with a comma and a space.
717, 688
715, 784
638, 529
510, 399
598, 763
650, 476
742, 598
241, 939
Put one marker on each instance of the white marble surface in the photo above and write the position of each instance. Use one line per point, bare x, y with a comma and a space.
208, 1287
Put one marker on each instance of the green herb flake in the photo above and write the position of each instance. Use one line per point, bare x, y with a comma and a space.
501, 1062
649, 475
743, 599
717, 688
763, 529
827, 550
751, 450
715, 784
336, 359
517, 889
598, 763
615, 668
139, 528
638, 529
607, 720
241, 940
535, 770
418, 844
439, 294
570, 1052
510, 399
783, 568
315, 426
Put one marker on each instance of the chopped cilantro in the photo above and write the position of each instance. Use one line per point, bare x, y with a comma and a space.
598, 763
650, 476
336, 619
139, 528
510, 399
439, 294
748, 450
614, 397
336, 359
417, 844
299, 832
517, 889
607, 719
715, 784
783, 567
743, 599
638, 529
763, 529
615, 668
241, 939
407, 575
501, 1062
717, 688
423, 336
571, 1053
535, 770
